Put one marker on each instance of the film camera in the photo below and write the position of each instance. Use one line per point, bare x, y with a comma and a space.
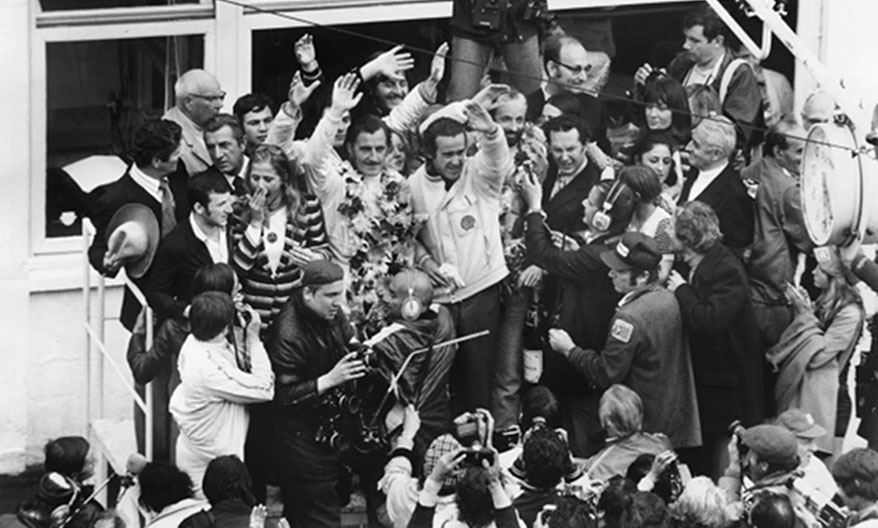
471, 430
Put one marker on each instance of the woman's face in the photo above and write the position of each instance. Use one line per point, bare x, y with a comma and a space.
549, 112
658, 116
263, 176
659, 159
396, 157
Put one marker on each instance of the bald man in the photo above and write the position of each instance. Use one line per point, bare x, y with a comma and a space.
197, 97
818, 108
418, 324
780, 233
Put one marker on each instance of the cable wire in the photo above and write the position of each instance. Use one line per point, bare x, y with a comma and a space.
603, 95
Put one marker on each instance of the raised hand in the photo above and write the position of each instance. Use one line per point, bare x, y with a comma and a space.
299, 93
344, 94
642, 73
411, 422
258, 515
437, 67
478, 118
447, 464
256, 204
487, 96
531, 191
388, 64
560, 341
306, 53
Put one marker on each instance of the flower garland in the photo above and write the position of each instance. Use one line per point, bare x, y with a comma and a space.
382, 230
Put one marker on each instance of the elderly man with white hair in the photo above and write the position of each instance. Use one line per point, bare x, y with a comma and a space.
197, 97
715, 181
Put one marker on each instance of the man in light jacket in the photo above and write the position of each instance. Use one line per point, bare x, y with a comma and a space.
458, 200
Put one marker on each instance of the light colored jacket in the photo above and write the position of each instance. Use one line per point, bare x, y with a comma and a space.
462, 224
195, 155
209, 405
325, 170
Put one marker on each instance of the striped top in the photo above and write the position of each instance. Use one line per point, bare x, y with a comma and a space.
268, 291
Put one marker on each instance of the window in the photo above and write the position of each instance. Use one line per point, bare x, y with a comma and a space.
97, 93
64, 5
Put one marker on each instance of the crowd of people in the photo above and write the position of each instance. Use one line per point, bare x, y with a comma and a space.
344, 290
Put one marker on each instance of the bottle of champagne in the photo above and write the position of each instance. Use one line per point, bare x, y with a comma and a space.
532, 341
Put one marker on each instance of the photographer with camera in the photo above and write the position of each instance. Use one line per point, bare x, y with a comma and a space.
307, 344
481, 26
857, 475
209, 405
768, 456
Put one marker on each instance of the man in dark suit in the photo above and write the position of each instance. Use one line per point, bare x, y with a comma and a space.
714, 181
197, 241
566, 65
570, 177
225, 142
718, 315
157, 180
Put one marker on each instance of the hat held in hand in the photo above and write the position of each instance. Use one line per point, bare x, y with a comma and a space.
133, 239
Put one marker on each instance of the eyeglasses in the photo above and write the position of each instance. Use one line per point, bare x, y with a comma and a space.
211, 98
575, 70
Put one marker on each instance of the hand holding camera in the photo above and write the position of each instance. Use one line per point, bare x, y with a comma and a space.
474, 431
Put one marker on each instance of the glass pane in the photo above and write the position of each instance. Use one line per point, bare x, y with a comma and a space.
67, 5
98, 92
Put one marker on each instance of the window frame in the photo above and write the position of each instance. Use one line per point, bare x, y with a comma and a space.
42, 245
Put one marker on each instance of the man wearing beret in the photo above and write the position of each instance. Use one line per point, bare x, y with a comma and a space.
768, 456
646, 346
307, 347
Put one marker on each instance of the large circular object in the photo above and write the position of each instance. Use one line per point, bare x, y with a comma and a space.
832, 185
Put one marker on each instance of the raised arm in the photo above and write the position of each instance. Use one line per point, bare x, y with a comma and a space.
406, 114
494, 161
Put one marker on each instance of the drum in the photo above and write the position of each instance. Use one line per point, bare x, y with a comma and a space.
838, 188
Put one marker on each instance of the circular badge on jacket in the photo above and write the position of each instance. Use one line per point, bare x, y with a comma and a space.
467, 222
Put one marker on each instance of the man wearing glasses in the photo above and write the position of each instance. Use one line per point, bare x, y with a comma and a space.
198, 97
567, 66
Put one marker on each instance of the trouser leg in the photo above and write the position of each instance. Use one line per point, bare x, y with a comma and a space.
525, 66
468, 61
508, 358
473, 373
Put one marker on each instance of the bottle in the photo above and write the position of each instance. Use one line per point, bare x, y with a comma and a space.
532, 341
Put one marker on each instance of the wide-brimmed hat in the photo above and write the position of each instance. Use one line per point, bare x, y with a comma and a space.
133, 237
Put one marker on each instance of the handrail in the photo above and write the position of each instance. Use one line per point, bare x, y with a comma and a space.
94, 312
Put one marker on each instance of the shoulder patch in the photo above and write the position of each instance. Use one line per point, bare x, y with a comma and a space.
622, 330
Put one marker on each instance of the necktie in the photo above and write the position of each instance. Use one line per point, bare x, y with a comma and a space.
169, 221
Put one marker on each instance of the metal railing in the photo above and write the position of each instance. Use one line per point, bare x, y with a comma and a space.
97, 356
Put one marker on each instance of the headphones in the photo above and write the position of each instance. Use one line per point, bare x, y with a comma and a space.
412, 307
602, 220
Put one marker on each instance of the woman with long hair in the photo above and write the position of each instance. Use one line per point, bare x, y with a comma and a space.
666, 107
280, 230
659, 151
814, 351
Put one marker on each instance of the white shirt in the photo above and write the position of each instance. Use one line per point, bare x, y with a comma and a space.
699, 75
149, 184
218, 249
704, 179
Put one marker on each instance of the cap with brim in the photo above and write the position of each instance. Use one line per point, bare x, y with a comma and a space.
800, 424
133, 237
771, 443
634, 251
320, 272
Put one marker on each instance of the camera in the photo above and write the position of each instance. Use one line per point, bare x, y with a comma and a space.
488, 14
470, 430
364, 354
473, 456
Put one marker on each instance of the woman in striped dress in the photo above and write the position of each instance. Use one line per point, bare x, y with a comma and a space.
280, 230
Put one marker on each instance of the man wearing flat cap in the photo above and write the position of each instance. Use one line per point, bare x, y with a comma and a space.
646, 346
816, 480
307, 347
768, 456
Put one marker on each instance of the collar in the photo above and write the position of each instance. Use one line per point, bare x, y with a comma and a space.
633, 295
196, 230
149, 184
711, 174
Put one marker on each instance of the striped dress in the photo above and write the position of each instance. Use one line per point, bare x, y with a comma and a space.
265, 291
